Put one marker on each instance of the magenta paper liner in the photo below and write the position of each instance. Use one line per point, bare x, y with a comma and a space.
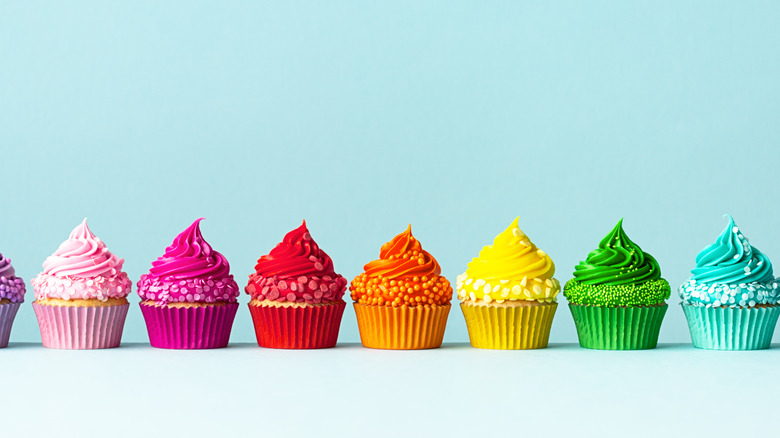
81, 328
7, 315
189, 328
298, 328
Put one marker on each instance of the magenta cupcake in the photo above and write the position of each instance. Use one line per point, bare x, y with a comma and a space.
189, 295
81, 295
296, 295
11, 297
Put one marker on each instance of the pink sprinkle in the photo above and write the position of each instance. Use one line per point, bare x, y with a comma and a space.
307, 297
333, 287
282, 285
291, 297
273, 294
313, 285
318, 294
264, 291
294, 287
302, 279
306, 236
327, 278
318, 266
313, 258
323, 288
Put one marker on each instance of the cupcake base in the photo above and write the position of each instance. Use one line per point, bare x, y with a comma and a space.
401, 328
303, 326
7, 315
81, 327
618, 328
511, 325
726, 328
189, 327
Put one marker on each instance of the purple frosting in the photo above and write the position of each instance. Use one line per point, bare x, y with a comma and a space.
12, 288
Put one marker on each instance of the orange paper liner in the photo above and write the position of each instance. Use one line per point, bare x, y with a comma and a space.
401, 328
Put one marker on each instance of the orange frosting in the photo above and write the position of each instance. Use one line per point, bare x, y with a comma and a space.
404, 275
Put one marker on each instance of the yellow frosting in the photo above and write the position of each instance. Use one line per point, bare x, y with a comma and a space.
512, 268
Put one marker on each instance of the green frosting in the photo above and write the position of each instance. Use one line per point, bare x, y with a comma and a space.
617, 261
649, 293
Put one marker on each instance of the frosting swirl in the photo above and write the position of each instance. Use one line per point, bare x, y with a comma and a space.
512, 268
617, 261
731, 273
189, 271
82, 268
404, 275
12, 288
296, 270
732, 259
403, 257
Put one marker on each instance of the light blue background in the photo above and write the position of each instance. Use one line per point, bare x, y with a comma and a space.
363, 117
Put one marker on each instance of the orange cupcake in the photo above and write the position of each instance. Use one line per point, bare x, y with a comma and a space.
401, 300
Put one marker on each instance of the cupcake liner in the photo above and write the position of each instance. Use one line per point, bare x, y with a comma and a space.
189, 328
401, 328
618, 328
509, 327
81, 328
306, 327
725, 328
7, 315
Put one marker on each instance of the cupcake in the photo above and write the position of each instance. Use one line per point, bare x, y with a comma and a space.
12, 290
81, 295
617, 296
401, 300
730, 301
189, 296
508, 294
296, 296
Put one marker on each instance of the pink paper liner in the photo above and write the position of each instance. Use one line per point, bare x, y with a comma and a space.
7, 315
189, 328
81, 328
307, 327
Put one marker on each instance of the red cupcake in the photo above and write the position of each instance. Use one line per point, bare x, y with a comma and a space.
296, 296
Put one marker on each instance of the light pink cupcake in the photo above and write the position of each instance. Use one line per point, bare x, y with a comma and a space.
80, 297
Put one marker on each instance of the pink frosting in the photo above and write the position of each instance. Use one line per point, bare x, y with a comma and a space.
189, 271
82, 268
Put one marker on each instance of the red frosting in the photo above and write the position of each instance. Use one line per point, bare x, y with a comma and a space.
296, 270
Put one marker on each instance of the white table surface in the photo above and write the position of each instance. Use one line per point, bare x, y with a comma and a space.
456, 390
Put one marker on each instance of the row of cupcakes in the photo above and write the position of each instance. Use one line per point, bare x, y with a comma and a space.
508, 295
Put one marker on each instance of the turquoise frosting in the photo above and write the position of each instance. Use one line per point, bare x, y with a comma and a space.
732, 260
731, 273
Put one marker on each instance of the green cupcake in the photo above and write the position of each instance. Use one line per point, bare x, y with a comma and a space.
617, 296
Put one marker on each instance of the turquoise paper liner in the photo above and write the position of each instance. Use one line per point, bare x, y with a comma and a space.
618, 328
725, 328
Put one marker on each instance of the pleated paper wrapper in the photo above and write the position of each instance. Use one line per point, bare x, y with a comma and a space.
306, 327
7, 315
509, 327
618, 328
81, 328
189, 328
725, 328
401, 328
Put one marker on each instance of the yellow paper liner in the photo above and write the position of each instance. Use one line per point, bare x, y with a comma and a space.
509, 327
401, 328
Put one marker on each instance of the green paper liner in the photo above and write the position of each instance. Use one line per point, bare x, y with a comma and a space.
726, 328
618, 328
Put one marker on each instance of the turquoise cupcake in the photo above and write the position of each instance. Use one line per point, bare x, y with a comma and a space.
730, 301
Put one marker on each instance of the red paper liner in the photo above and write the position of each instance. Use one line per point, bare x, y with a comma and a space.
306, 327
81, 328
189, 328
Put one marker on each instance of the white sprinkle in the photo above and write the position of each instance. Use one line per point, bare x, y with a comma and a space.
524, 281
469, 281
496, 288
472, 296
479, 283
487, 298
486, 289
516, 232
516, 290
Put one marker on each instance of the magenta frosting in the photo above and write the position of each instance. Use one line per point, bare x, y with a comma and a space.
12, 287
189, 271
